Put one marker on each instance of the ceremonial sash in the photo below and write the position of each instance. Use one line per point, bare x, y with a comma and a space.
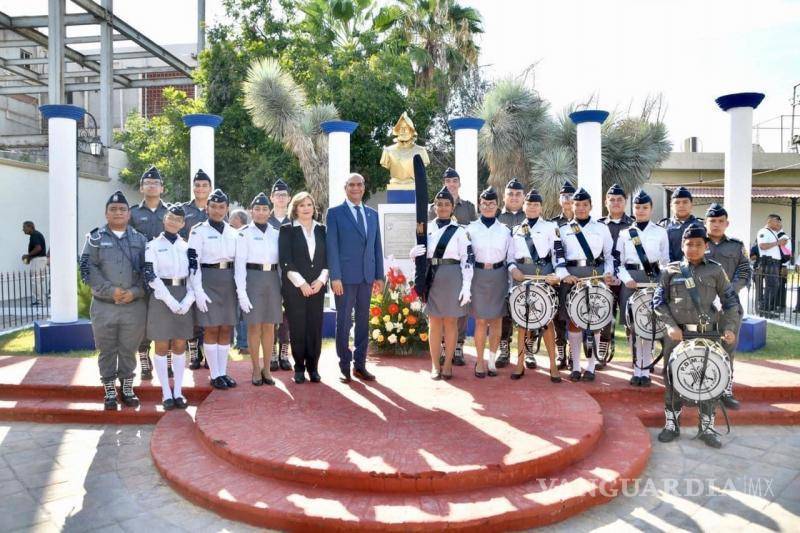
531, 246
637, 243
587, 251
438, 253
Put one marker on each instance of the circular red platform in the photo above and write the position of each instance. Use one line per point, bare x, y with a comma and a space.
403, 433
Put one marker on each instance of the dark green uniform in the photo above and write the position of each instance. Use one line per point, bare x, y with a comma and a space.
464, 212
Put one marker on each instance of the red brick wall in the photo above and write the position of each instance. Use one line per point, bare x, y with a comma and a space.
153, 97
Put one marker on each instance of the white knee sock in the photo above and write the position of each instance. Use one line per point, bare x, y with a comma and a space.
222, 358
210, 351
161, 372
178, 365
646, 356
592, 359
491, 356
575, 345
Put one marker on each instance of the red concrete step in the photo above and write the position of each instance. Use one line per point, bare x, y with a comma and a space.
751, 413
78, 411
404, 432
215, 484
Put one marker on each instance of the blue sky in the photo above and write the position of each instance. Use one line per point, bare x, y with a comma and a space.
691, 51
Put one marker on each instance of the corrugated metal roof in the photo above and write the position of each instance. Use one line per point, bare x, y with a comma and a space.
757, 192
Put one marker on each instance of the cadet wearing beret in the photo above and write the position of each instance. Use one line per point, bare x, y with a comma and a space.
280, 196
112, 264
732, 255
560, 325
511, 216
682, 218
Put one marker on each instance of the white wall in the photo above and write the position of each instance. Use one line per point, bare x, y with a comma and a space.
25, 197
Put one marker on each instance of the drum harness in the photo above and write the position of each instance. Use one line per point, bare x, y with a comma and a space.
536, 335
652, 272
587, 251
703, 331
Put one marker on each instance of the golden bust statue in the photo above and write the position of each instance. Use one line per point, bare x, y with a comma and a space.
399, 157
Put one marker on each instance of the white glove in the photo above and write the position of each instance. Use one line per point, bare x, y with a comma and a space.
173, 304
417, 251
464, 296
186, 304
244, 303
202, 300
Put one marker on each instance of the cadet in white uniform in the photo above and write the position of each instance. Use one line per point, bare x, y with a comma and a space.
212, 249
258, 286
655, 247
532, 252
491, 242
170, 320
449, 279
598, 238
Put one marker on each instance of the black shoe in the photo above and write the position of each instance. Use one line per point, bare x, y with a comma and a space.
491, 373
518, 376
668, 435
196, 361
219, 383
169, 404
110, 404
229, 381
458, 356
110, 399
130, 401
587, 376
363, 374
530, 361
128, 396
731, 403
274, 365
257, 381
436, 375
555, 379
645, 381
299, 377
480, 375
284, 364
181, 403
314, 377
345, 377
267, 380
711, 438
635, 381
575, 375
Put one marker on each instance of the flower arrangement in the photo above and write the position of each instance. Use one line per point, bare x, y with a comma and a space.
397, 324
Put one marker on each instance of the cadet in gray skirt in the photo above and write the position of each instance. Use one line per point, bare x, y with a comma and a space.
112, 264
169, 318
212, 249
491, 242
532, 253
449, 275
258, 286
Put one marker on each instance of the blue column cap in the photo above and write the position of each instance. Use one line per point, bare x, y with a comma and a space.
729, 101
466, 123
62, 111
344, 126
202, 119
590, 115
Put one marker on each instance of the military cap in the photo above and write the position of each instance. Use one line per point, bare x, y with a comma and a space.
682, 192
117, 198
261, 199
489, 194
642, 198
616, 190
695, 232
444, 194
567, 188
716, 210
151, 173
533, 196
200, 175
450, 173
581, 194
219, 197
176, 209
279, 185
515, 185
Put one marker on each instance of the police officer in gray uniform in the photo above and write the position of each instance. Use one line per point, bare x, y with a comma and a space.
465, 213
732, 255
675, 306
512, 216
112, 264
148, 219
559, 325
682, 218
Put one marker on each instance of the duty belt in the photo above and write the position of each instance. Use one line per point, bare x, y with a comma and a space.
631, 266
529, 261
266, 267
697, 328
222, 265
583, 263
439, 262
174, 282
490, 266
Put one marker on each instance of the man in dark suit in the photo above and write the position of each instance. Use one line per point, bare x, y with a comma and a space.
355, 260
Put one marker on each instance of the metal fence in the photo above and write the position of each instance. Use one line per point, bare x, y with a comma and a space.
775, 294
24, 297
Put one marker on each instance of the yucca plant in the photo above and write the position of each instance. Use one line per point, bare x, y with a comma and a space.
278, 105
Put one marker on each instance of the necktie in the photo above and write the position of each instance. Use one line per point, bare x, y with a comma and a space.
360, 218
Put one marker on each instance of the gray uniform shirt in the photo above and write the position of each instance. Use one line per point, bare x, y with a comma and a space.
511, 220
147, 222
464, 212
108, 262
194, 216
732, 255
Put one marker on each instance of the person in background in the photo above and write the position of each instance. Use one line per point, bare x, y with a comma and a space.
773, 247
560, 325
511, 217
238, 219
280, 197
682, 218
36, 259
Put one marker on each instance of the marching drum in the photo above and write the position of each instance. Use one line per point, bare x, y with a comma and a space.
597, 311
686, 369
541, 304
640, 315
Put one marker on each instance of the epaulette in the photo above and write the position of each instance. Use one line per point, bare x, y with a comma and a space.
94, 236
663, 221
713, 262
734, 239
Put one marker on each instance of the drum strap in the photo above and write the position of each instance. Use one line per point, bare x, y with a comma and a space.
637, 243
438, 253
531, 247
691, 286
587, 250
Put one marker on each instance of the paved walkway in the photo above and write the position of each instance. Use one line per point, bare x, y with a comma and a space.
77, 478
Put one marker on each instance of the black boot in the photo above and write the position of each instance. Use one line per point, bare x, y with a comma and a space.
147, 366
195, 357
530, 359
707, 432
730, 402
458, 356
561, 356
128, 397
110, 400
284, 358
672, 428
504, 357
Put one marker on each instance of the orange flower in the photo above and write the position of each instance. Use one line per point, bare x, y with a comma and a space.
423, 337
393, 309
411, 320
376, 311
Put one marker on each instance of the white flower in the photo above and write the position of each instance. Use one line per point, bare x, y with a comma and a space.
416, 305
398, 326
392, 338
389, 326
394, 295
376, 333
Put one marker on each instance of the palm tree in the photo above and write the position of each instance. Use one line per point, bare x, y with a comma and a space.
338, 23
279, 106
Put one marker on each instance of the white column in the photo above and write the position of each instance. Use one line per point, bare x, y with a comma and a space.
739, 161
590, 158
339, 132
201, 144
63, 208
55, 51
106, 79
465, 132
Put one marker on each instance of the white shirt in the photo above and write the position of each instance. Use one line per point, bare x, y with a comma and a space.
543, 237
311, 242
766, 235
169, 260
491, 244
457, 248
254, 246
597, 236
211, 247
655, 242
352, 207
